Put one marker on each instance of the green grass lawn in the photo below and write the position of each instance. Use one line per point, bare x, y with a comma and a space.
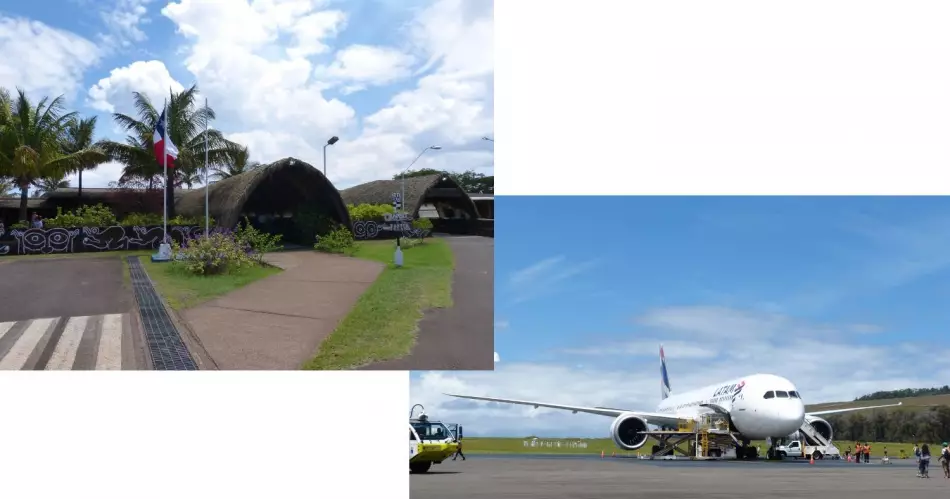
383, 323
182, 289
596, 445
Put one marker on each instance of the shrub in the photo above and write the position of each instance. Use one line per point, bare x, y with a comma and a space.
187, 221
218, 253
142, 219
422, 224
408, 242
20, 225
85, 216
368, 211
258, 242
339, 241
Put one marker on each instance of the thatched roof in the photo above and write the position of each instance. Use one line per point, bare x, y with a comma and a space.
96, 194
227, 197
14, 203
380, 191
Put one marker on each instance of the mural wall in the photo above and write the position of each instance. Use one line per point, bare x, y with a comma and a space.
86, 239
392, 226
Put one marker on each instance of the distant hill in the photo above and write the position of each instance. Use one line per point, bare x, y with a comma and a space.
906, 392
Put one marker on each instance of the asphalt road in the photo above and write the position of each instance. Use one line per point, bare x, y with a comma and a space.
461, 337
493, 477
61, 287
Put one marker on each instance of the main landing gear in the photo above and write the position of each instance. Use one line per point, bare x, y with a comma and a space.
746, 451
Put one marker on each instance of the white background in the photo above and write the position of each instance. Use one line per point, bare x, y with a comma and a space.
687, 97
592, 97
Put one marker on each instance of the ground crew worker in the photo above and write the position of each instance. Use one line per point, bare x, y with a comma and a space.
858, 451
945, 460
867, 453
458, 452
885, 451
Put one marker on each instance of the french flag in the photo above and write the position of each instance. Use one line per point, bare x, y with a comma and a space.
163, 143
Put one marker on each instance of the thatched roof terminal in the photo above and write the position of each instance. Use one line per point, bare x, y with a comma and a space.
226, 198
380, 192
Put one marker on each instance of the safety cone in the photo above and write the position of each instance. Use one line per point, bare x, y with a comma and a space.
812, 460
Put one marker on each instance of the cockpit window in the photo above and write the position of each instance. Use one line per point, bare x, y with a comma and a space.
769, 395
412, 435
793, 394
781, 395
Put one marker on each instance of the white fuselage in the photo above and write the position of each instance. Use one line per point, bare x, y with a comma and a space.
761, 405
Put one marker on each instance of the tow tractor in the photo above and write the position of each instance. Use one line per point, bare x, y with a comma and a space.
430, 442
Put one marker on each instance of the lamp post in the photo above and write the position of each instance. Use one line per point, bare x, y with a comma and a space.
333, 140
403, 195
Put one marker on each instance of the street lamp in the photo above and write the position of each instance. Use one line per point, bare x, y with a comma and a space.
330, 142
403, 198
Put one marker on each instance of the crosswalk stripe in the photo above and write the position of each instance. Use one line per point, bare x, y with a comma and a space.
65, 353
20, 351
5, 327
110, 343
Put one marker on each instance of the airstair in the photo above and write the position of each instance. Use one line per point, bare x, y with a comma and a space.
812, 437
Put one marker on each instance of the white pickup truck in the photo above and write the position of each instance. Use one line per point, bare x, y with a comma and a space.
794, 449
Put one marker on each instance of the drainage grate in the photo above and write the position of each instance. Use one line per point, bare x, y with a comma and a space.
164, 343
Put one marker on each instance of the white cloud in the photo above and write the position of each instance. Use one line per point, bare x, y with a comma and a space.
501, 325
542, 277
367, 64
42, 60
100, 177
114, 93
497, 358
123, 19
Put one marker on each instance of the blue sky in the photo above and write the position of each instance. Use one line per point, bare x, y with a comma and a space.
388, 77
586, 288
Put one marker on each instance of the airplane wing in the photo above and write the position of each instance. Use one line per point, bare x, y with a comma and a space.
849, 409
651, 417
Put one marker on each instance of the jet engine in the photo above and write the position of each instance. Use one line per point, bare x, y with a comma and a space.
627, 431
821, 426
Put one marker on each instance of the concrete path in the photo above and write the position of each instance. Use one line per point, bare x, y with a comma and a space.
279, 322
461, 337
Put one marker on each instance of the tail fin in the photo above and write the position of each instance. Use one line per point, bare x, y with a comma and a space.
665, 379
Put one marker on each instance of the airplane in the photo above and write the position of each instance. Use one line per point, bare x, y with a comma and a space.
758, 407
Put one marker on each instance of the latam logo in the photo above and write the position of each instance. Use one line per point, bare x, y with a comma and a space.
732, 389
738, 390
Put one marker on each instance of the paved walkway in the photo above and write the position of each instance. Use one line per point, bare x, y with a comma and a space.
279, 322
463, 336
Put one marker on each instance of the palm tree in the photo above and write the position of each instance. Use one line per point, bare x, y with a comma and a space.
238, 162
79, 137
50, 184
31, 142
186, 126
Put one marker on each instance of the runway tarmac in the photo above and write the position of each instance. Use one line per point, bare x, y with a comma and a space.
582, 476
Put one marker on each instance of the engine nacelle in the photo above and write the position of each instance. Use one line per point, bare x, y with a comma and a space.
627, 431
821, 426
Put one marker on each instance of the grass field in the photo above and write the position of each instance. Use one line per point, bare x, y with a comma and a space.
182, 289
476, 445
383, 323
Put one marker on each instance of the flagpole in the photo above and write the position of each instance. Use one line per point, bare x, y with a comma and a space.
165, 140
206, 167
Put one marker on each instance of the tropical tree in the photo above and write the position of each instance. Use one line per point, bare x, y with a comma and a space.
238, 162
80, 134
50, 184
31, 139
186, 127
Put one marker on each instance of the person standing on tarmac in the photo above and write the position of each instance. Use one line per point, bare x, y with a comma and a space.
945, 460
847, 453
924, 462
867, 452
458, 451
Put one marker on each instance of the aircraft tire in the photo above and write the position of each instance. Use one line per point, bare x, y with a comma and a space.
420, 467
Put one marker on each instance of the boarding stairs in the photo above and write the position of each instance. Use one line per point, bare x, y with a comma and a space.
812, 437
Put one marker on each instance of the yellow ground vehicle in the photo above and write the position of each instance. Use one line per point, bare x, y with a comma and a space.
430, 442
